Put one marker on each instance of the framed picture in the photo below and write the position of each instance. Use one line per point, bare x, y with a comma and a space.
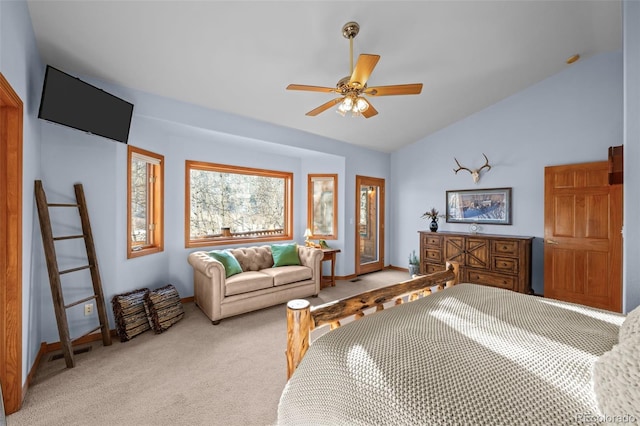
489, 206
322, 206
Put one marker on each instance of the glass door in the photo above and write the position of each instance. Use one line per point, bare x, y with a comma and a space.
370, 224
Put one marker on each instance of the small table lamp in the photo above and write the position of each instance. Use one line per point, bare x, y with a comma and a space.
307, 234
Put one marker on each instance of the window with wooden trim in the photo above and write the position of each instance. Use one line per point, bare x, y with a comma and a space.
145, 193
230, 204
322, 206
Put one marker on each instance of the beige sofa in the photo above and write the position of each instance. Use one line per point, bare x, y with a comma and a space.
259, 285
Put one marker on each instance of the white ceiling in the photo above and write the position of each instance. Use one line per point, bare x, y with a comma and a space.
238, 56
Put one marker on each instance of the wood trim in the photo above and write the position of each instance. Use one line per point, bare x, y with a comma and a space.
11, 117
34, 367
397, 268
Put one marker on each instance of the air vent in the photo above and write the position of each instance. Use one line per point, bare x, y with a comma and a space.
75, 352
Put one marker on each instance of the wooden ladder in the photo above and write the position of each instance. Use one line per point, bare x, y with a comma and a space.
54, 273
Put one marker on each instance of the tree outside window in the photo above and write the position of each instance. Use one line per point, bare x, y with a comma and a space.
228, 204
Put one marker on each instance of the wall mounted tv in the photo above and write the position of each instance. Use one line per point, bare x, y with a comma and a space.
69, 101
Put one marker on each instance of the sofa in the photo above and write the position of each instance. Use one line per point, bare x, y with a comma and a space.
258, 285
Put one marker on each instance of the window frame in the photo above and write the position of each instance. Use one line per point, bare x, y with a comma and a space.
312, 178
155, 209
226, 240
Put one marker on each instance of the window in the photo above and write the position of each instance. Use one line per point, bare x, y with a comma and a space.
145, 174
322, 208
229, 204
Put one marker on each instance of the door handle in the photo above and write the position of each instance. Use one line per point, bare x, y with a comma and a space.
551, 242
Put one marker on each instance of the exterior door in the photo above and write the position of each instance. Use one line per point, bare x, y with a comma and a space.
583, 236
369, 224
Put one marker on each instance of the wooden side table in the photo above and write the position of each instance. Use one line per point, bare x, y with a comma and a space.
329, 254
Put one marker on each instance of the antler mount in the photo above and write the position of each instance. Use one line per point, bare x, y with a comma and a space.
475, 174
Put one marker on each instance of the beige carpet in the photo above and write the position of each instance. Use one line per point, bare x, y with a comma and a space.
193, 374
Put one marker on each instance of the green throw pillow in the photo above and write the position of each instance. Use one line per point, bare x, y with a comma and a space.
230, 263
285, 254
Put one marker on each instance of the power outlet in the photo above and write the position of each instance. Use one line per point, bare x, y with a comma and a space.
88, 309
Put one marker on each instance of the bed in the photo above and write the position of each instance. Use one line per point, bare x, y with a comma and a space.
468, 354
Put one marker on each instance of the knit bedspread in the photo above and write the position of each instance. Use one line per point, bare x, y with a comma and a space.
468, 355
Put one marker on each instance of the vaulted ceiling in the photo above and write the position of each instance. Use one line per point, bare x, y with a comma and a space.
239, 56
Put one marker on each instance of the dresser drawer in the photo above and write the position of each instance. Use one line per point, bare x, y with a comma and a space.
430, 268
433, 255
505, 248
494, 280
431, 240
505, 264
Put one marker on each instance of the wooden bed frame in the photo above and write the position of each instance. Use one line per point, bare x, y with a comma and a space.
302, 318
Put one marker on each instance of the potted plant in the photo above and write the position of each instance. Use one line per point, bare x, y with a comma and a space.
433, 215
414, 264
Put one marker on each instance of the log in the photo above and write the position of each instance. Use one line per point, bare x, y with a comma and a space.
299, 327
302, 318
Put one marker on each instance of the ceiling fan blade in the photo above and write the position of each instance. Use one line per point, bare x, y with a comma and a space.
363, 69
311, 88
398, 89
370, 112
324, 107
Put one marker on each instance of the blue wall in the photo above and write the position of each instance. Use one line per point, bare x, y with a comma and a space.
571, 117
21, 66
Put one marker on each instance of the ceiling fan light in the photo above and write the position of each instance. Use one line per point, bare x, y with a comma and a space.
361, 104
347, 103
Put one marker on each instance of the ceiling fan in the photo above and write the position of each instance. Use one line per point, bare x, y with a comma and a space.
352, 87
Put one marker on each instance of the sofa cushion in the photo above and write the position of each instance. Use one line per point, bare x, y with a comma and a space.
289, 274
253, 258
246, 282
230, 263
285, 254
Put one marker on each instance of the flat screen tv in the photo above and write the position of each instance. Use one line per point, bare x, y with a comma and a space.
69, 101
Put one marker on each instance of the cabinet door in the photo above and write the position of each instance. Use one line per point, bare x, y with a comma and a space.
477, 252
454, 249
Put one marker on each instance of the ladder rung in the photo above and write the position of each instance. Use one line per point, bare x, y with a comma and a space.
62, 205
66, 271
67, 237
87, 333
93, 296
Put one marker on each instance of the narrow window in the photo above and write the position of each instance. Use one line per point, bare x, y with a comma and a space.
145, 202
229, 204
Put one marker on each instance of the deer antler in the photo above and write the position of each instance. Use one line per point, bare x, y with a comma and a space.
460, 167
486, 164
475, 174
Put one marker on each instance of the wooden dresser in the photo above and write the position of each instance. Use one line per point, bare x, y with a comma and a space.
495, 260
